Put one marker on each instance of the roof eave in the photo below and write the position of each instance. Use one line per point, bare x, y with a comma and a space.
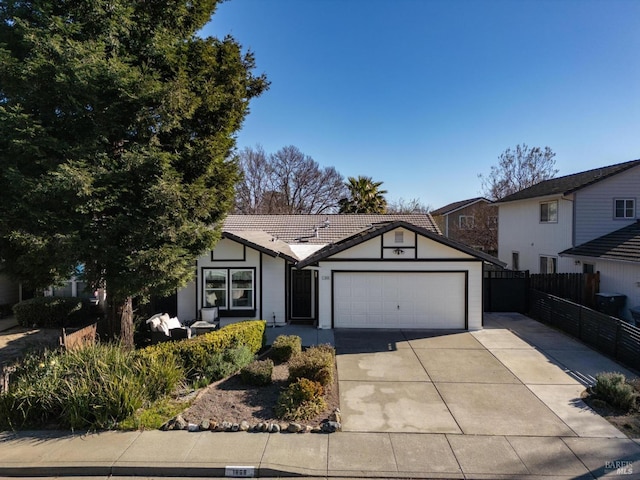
260, 248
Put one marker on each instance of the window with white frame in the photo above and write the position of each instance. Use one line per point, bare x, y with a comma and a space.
549, 212
229, 288
465, 222
548, 264
624, 208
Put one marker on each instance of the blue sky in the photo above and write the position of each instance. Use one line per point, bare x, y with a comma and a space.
424, 95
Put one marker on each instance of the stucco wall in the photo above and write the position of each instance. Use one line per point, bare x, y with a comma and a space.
521, 231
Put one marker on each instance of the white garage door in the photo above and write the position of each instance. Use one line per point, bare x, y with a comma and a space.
399, 300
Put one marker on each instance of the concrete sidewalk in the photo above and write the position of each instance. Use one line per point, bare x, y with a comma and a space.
391, 455
415, 405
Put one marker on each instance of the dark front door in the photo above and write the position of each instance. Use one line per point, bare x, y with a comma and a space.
301, 293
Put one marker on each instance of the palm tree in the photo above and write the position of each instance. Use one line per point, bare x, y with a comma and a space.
365, 196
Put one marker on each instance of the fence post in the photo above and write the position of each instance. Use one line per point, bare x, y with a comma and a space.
615, 346
580, 308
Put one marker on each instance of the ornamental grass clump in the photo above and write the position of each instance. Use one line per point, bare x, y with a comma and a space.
285, 346
315, 363
258, 373
301, 400
613, 388
90, 388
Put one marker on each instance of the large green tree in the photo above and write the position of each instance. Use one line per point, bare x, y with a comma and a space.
117, 125
365, 196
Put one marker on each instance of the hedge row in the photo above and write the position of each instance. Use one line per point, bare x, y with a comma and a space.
48, 312
196, 355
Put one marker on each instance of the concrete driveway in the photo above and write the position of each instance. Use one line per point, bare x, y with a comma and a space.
516, 377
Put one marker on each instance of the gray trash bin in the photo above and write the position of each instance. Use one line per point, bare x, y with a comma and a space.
635, 314
610, 303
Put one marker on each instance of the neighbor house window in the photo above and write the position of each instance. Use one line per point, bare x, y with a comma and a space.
548, 264
492, 222
466, 222
399, 237
588, 268
624, 208
229, 288
515, 261
549, 212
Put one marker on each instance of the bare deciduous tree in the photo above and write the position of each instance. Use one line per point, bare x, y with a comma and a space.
287, 181
252, 191
413, 205
518, 169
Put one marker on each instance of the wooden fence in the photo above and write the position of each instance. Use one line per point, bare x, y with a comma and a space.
611, 336
78, 338
578, 287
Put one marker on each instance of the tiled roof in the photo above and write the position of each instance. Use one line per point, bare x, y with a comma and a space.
569, 183
452, 207
319, 229
622, 245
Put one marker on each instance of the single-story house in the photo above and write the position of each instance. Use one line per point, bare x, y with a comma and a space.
338, 271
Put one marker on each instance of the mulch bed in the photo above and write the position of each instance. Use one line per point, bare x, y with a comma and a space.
230, 400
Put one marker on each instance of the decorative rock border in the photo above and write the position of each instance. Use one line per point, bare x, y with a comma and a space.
333, 424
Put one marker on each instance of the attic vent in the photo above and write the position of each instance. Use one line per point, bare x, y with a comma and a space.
399, 237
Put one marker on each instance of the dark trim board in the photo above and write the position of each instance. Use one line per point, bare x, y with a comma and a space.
466, 287
421, 260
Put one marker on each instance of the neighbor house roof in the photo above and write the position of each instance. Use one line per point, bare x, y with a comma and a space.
621, 245
452, 207
569, 183
379, 229
319, 229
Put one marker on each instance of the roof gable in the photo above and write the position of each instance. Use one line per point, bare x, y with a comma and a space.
621, 245
569, 183
379, 229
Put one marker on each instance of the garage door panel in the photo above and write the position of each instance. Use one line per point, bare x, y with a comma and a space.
399, 300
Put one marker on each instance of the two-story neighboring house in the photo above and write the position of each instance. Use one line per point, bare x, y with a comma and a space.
473, 222
584, 222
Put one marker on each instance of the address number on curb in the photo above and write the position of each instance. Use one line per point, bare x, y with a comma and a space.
239, 472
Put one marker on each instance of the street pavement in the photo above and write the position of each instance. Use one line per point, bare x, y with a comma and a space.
503, 402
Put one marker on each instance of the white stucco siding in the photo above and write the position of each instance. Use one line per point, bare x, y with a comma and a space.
620, 277
594, 208
369, 249
520, 230
228, 250
428, 248
273, 290
187, 302
472, 271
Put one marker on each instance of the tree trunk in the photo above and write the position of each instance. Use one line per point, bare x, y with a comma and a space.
126, 323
